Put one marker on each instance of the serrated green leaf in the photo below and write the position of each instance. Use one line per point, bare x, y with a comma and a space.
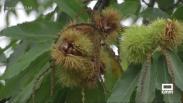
30, 5
42, 95
59, 95
166, 5
11, 3
175, 64
40, 31
110, 79
19, 50
95, 95
64, 17
125, 86
14, 85
128, 8
153, 13
158, 97
2, 57
180, 52
26, 92
161, 70
162, 77
146, 87
26, 59
92, 95
178, 14
173, 98
113, 70
74, 96
75, 8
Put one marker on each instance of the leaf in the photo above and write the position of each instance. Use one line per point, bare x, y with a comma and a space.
59, 96
125, 86
95, 95
173, 98
43, 93
26, 92
162, 77
110, 78
25, 60
64, 18
2, 56
30, 5
145, 87
175, 66
14, 85
180, 52
166, 5
39, 30
178, 14
161, 70
128, 8
92, 95
10, 3
113, 69
75, 8
19, 50
158, 97
74, 96
153, 14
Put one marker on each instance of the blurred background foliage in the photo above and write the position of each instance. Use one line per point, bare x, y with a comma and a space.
31, 43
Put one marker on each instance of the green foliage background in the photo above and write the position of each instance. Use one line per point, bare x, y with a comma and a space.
32, 41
